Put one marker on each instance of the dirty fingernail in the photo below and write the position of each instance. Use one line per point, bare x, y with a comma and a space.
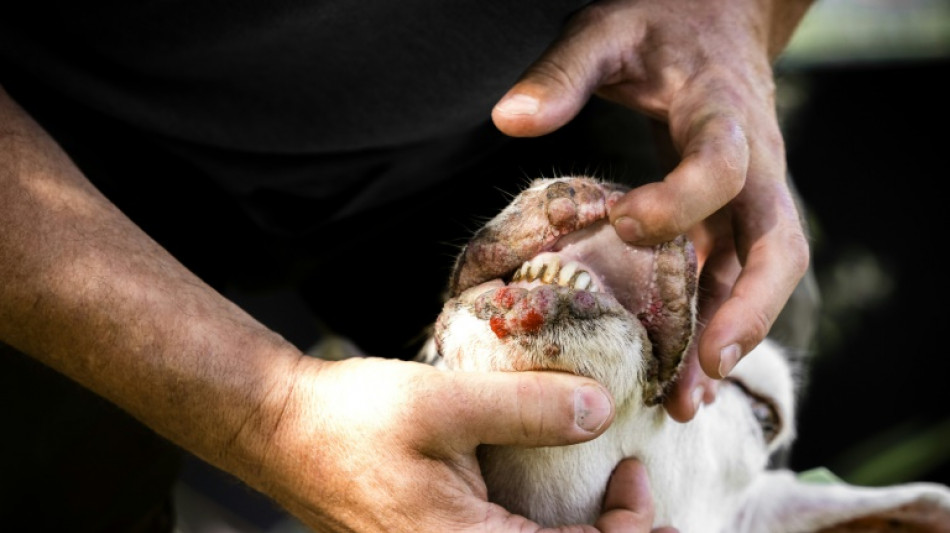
628, 229
592, 407
518, 104
728, 359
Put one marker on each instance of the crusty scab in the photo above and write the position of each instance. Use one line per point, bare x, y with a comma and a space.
529, 225
671, 326
549, 267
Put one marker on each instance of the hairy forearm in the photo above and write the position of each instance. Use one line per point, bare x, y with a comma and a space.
89, 294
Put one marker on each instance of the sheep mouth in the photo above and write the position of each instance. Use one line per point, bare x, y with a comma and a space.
588, 274
550, 265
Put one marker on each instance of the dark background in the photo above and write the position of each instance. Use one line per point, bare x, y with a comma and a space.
868, 149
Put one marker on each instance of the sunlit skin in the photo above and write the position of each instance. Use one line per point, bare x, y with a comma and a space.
88, 293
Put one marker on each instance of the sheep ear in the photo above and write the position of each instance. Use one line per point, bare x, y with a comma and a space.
780, 502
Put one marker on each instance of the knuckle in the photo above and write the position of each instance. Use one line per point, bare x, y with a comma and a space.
795, 246
760, 325
657, 227
593, 16
666, 227
730, 185
798, 253
549, 71
681, 222
798, 243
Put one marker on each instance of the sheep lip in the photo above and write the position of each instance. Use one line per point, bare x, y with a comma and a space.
654, 284
625, 272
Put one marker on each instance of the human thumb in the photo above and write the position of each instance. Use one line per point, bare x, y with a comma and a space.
532, 408
554, 89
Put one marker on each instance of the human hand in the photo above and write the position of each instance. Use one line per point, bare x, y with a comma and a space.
704, 68
384, 445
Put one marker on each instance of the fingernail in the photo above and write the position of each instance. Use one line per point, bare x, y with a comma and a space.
518, 104
728, 359
592, 407
628, 229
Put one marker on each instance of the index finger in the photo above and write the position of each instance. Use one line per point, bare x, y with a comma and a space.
712, 171
708, 125
774, 251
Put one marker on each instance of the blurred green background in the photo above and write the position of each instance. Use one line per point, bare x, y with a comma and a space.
865, 105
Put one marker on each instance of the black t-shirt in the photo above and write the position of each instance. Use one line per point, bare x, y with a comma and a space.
361, 102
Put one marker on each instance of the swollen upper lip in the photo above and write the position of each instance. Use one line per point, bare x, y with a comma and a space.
532, 223
594, 260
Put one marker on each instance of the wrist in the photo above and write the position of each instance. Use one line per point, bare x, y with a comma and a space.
286, 447
251, 445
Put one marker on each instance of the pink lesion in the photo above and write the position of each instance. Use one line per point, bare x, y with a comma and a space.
498, 326
504, 298
518, 311
530, 321
562, 214
563, 228
530, 225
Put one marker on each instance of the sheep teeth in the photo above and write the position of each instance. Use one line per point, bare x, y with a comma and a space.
566, 273
547, 269
581, 280
550, 270
518, 275
537, 267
